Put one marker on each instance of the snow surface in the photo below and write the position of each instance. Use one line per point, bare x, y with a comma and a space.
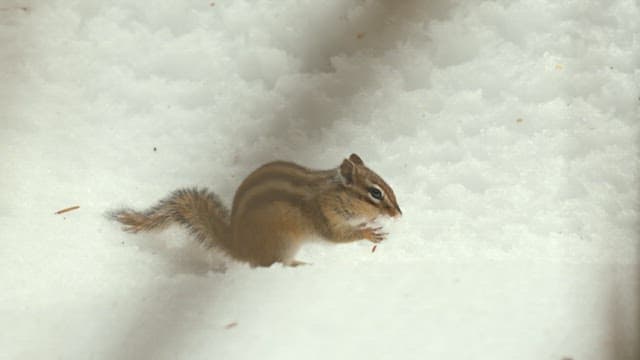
508, 129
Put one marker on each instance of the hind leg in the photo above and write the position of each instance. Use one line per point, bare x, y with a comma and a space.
268, 248
272, 234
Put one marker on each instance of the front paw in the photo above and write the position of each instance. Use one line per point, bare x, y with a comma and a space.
373, 234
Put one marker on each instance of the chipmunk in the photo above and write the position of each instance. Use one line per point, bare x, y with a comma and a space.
275, 209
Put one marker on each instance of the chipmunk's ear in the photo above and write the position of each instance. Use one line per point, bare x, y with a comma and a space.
356, 159
347, 171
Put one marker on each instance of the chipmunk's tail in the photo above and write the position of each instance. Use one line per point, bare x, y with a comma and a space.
198, 210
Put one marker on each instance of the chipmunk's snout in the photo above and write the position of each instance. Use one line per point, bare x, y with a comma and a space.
394, 211
399, 211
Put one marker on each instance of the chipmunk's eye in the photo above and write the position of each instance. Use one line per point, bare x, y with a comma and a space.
375, 193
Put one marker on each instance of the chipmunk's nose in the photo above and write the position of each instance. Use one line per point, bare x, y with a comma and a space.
399, 213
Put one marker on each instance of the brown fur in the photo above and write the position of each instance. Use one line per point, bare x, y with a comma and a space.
275, 209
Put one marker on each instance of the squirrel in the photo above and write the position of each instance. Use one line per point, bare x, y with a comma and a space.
275, 209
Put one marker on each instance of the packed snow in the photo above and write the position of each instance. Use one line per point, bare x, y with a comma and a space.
509, 130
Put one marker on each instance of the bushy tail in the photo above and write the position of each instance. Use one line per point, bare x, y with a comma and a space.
198, 210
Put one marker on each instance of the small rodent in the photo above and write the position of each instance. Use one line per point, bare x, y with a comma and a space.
275, 209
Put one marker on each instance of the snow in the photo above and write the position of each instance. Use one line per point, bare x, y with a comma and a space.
509, 131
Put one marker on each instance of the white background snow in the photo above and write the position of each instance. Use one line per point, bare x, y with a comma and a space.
508, 129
